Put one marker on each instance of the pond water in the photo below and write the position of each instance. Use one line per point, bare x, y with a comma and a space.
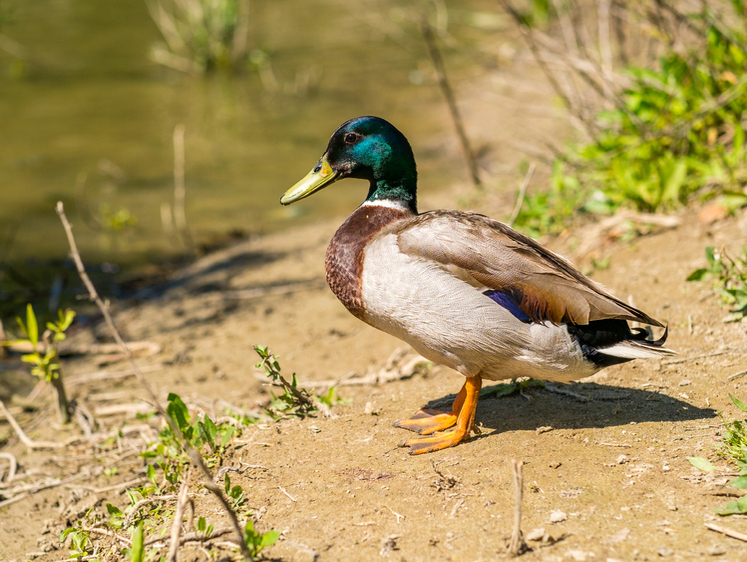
88, 119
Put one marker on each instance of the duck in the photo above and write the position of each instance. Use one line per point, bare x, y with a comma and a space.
464, 290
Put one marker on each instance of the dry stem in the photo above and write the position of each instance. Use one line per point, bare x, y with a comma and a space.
517, 544
443, 82
194, 455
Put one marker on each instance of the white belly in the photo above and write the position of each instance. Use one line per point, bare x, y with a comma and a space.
452, 323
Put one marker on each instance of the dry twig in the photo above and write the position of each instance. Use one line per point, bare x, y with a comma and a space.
176, 527
726, 531
194, 455
443, 83
24, 438
517, 544
522, 194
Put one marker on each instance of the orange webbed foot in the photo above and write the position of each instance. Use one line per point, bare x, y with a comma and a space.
429, 422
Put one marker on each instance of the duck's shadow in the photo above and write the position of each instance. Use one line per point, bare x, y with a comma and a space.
590, 405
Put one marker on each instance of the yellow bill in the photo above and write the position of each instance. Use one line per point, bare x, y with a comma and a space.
321, 176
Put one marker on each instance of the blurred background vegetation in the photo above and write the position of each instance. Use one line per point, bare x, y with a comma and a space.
172, 126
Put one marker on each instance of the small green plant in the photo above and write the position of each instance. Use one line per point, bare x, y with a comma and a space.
729, 280
80, 542
258, 541
236, 493
735, 449
200, 432
294, 401
137, 551
676, 131
45, 363
507, 389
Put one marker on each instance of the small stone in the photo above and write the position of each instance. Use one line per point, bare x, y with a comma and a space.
685, 382
622, 459
536, 534
555, 464
716, 550
664, 552
545, 429
558, 516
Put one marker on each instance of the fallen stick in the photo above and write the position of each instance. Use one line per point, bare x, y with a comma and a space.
199, 537
517, 545
139, 347
13, 465
24, 438
726, 531
176, 527
522, 194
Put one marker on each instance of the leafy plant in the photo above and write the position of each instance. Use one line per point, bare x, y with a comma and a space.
80, 542
44, 361
675, 131
729, 279
735, 449
236, 493
258, 541
507, 389
294, 401
199, 432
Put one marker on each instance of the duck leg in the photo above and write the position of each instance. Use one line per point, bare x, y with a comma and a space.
463, 416
429, 421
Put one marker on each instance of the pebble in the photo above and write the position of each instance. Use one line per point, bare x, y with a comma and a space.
557, 516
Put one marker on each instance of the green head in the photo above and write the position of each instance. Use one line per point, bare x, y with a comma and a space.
367, 148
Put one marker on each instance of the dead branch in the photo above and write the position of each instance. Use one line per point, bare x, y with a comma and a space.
137, 347
448, 93
517, 545
176, 527
726, 531
522, 194
25, 439
107, 375
13, 466
194, 455
199, 537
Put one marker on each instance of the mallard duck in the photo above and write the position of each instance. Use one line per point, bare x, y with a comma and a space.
464, 290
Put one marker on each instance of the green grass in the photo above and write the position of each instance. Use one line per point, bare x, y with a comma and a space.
729, 276
677, 133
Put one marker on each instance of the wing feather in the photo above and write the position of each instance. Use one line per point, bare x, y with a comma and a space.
545, 286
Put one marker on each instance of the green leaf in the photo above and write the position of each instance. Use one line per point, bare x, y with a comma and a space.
701, 464
114, 511
740, 483
738, 403
32, 329
269, 538
138, 547
178, 412
733, 508
698, 274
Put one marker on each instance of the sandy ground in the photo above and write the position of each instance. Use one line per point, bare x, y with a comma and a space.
605, 468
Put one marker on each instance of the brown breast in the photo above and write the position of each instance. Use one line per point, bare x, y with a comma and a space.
344, 261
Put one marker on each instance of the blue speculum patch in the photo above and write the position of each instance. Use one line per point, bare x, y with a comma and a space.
506, 302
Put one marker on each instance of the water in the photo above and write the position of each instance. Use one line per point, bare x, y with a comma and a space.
91, 104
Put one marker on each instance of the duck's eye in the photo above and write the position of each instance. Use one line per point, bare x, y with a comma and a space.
350, 138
